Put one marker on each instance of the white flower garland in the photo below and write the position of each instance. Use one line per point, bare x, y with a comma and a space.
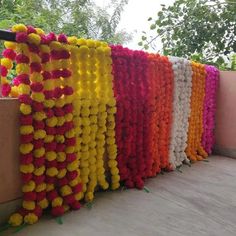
181, 110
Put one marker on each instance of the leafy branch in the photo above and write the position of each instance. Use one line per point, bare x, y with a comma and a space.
190, 27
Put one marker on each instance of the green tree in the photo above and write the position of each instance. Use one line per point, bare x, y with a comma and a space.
82, 18
202, 29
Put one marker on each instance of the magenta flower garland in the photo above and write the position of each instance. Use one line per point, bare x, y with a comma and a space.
212, 79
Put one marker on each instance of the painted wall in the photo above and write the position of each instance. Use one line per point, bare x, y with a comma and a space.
9, 163
226, 115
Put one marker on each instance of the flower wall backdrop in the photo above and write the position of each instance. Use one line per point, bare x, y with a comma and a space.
98, 116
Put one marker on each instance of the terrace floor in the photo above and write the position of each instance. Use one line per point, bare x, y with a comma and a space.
200, 201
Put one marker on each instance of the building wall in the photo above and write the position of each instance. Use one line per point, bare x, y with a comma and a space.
10, 180
226, 115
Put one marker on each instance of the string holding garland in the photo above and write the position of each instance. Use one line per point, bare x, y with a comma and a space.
96, 116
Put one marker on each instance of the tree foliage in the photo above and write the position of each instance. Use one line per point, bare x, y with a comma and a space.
204, 29
82, 18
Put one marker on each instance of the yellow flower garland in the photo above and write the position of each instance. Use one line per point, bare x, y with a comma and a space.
111, 110
93, 120
55, 122
84, 123
102, 114
91, 66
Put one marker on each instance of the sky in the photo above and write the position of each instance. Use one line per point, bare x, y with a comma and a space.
135, 15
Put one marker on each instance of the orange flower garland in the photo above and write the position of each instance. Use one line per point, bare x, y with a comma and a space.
155, 93
153, 165
166, 97
194, 148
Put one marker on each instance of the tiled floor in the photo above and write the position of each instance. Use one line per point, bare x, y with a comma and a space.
200, 201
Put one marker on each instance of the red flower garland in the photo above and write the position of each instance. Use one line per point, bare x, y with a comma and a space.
166, 97
120, 58
137, 87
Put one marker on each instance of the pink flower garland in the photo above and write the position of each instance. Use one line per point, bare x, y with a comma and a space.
212, 78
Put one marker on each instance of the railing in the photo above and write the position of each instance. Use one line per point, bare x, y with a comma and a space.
7, 35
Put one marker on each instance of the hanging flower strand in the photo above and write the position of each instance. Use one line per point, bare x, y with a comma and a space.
212, 78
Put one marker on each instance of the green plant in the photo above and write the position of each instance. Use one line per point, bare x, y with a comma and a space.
82, 18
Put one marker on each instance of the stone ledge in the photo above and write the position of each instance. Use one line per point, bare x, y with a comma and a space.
227, 152
7, 208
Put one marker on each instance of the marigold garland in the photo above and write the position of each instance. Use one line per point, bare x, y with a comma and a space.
50, 195
111, 146
30, 148
165, 118
120, 58
194, 150
212, 78
100, 123
155, 105
137, 119
47, 95
97, 115
74, 67
181, 107
93, 109
94, 93
126, 117
141, 102
9, 55
38, 98
56, 129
